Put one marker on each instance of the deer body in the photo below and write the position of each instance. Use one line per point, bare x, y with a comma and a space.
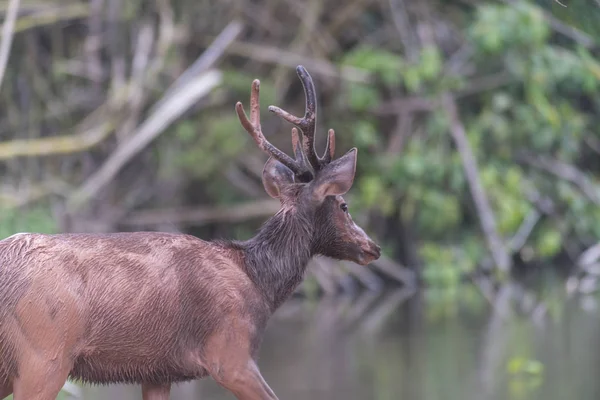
136, 308
156, 308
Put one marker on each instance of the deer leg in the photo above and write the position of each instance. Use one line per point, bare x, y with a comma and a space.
244, 381
155, 392
40, 379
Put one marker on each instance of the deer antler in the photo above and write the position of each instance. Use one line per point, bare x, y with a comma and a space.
306, 160
253, 127
308, 122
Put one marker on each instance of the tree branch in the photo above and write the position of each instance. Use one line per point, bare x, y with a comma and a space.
8, 30
151, 128
65, 144
274, 55
202, 216
486, 216
569, 31
564, 171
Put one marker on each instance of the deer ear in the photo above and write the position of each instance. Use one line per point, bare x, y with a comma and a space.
337, 177
275, 176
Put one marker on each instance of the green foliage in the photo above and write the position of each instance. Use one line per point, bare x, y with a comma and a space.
504, 186
445, 265
430, 62
365, 134
518, 25
525, 375
239, 82
383, 63
372, 193
548, 243
362, 97
206, 152
426, 70
392, 71
520, 365
34, 219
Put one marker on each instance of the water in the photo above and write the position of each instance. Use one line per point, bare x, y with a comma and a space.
426, 346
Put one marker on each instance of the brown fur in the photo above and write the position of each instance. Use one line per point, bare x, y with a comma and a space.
159, 308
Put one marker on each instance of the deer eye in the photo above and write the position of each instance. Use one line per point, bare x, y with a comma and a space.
344, 207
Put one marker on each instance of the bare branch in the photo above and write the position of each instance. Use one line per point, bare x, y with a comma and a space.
8, 29
202, 216
48, 15
569, 31
406, 32
564, 5
151, 128
517, 242
395, 271
589, 257
178, 98
564, 171
411, 104
274, 55
208, 58
486, 216
65, 144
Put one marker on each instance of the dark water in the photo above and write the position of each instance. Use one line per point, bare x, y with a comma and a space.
451, 345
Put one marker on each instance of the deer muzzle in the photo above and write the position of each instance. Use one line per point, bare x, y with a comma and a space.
370, 252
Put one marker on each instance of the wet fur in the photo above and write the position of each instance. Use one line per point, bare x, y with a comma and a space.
144, 303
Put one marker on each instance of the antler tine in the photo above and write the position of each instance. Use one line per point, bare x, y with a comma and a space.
307, 174
300, 158
253, 127
308, 122
329, 148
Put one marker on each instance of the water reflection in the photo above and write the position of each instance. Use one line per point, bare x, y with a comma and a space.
431, 345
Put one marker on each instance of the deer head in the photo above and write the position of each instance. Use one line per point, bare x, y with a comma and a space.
309, 184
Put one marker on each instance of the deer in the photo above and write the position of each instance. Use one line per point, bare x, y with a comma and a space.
156, 309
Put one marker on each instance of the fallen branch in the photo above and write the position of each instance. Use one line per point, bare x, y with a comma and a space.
65, 144
486, 216
150, 129
202, 216
206, 60
196, 83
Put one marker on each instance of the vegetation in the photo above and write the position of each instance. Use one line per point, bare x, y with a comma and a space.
476, 123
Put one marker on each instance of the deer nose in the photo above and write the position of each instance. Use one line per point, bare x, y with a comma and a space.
377, 249
374, 249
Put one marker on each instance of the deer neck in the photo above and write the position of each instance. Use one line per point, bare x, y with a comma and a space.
276, 258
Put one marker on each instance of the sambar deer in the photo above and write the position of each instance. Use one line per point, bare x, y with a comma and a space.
154, 308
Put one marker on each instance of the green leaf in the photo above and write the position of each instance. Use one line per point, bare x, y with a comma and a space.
362, 97
548, 243
430, 62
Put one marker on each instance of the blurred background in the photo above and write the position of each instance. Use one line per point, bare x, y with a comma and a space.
477, 129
